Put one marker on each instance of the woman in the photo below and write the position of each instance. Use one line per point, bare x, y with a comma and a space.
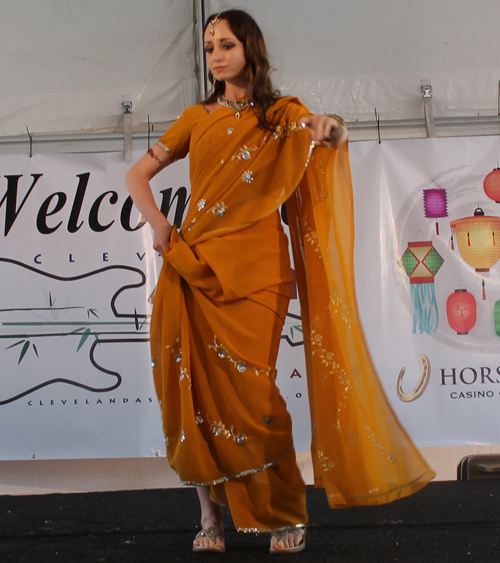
223, 294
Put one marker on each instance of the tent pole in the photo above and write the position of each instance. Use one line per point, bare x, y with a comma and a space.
200, 71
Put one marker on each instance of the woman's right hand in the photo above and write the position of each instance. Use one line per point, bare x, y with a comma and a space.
137, 182
161, 236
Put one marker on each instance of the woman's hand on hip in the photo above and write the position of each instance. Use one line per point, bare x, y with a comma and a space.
161, 237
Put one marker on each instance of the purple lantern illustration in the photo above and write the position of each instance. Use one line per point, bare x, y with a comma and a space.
435, 204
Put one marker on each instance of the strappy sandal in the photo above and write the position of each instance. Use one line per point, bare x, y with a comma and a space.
211, 534
295, 549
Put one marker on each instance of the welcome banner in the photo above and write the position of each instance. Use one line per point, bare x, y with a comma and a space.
78, 270
77, 273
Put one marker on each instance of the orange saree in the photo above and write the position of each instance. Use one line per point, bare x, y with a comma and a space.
219, 308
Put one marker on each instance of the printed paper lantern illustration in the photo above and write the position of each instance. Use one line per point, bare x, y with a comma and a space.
491, 185
435, 204
476, 238
461, 311
421, 262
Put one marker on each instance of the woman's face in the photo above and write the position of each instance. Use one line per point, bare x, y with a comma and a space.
225, 54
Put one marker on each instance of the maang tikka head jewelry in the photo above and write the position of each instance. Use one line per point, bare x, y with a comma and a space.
213, 23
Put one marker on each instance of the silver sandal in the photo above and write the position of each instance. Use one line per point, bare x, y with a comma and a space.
296, 548
212, 534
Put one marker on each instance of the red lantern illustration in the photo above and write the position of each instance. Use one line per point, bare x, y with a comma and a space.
461, 311
491, 185
435, 204
421, 262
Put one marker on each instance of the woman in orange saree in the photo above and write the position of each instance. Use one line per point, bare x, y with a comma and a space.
223, 294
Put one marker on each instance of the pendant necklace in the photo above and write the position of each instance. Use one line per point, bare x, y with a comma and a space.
236, 106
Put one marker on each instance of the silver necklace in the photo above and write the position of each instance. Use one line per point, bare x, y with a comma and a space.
234, 104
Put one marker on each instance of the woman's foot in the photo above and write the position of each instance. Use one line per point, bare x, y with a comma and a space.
211, 536
210, 539
289, 541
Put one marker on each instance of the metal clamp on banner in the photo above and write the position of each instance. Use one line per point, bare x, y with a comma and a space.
127, 126
429, 114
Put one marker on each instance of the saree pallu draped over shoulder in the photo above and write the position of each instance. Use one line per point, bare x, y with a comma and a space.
219, 309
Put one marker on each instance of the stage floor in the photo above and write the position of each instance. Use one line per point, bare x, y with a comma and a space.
446, 522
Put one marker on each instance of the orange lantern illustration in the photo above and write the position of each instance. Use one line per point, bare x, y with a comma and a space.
476, 239
461, 311
421, 262
491, 185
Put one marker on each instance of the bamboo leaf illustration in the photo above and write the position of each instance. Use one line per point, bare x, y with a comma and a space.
76, 331
51, 301
23, 351
35, 349
92, 312
84, 337
136, 318
298, 327
16, 344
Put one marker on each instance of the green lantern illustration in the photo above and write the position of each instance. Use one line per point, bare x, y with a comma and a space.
421, 262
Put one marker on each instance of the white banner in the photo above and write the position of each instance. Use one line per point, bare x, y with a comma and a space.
424, 296
77, 270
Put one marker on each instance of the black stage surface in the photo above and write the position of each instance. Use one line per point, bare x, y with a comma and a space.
446, 522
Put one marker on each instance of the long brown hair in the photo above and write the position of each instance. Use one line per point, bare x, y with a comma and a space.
258, 70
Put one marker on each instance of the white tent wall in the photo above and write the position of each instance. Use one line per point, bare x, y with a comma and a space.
67, 64
353, 57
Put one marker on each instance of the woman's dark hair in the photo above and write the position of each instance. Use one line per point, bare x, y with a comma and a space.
258, 70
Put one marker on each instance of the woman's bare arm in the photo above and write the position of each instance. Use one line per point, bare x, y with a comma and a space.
137, 182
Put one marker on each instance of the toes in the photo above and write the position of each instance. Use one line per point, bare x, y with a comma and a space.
297, 538
209, 542
291, 539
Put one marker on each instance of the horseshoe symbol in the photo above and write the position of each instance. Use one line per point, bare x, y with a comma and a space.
421, 385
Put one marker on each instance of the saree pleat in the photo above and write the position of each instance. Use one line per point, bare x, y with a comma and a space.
276, 496
219, 309
226, 423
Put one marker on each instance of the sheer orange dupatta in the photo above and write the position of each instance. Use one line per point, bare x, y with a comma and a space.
361, 454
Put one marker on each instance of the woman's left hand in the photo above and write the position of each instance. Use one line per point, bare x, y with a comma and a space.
325, 130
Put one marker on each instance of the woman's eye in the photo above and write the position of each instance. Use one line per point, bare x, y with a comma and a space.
209, 49
228, 46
